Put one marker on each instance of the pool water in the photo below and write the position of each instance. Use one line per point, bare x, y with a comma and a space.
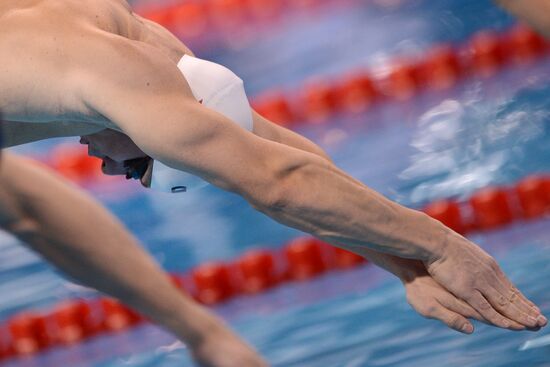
480, 133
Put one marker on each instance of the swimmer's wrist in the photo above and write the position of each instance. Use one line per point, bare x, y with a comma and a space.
441, 237
426, 237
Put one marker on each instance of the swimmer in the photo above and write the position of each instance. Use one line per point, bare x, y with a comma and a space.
145, 105
75, 233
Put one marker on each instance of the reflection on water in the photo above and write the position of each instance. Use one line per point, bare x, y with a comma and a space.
461, 146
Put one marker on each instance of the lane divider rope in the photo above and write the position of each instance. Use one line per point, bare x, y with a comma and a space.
318, 100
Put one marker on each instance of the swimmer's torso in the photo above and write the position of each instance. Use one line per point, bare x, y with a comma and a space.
42, 44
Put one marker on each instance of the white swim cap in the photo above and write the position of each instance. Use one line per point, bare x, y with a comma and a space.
167, 179
217, 88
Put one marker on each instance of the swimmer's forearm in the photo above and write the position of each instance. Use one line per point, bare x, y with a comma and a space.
79, 236
534, 12
318, 198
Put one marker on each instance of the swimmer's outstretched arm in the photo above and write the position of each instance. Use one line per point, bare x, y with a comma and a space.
424, 294
145, 95
74, 232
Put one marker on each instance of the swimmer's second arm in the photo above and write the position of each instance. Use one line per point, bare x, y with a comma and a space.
151, 102
78, 235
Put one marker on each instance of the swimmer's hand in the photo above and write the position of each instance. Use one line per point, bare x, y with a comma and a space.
220, 347
474, 276
432, 301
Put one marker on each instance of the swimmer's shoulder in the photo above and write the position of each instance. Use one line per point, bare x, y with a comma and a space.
64, 16
41, 60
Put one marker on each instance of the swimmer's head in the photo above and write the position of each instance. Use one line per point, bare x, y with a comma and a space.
119, 154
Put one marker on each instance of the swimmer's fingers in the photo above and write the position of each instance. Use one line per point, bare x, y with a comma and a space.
456, 305
505, 299
489, 313
452, 319
455, 312
509, 301
509, 305
432, 301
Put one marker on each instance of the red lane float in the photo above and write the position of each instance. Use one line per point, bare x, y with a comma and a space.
73, 322
485, 53
275, 107
6, 349
356, 93
532, 196
524, 44
547, 188
265, 9
29, 333
441, 68
318, 101
227, 14
213, 283
491, 208
188, 20
447, 212
304, 257
343, 259
116, 316
73, 162
256, 271
402, 81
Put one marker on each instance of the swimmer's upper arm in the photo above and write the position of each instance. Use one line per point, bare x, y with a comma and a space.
147, 97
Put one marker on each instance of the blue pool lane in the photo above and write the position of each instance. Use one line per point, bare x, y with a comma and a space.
487, 132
